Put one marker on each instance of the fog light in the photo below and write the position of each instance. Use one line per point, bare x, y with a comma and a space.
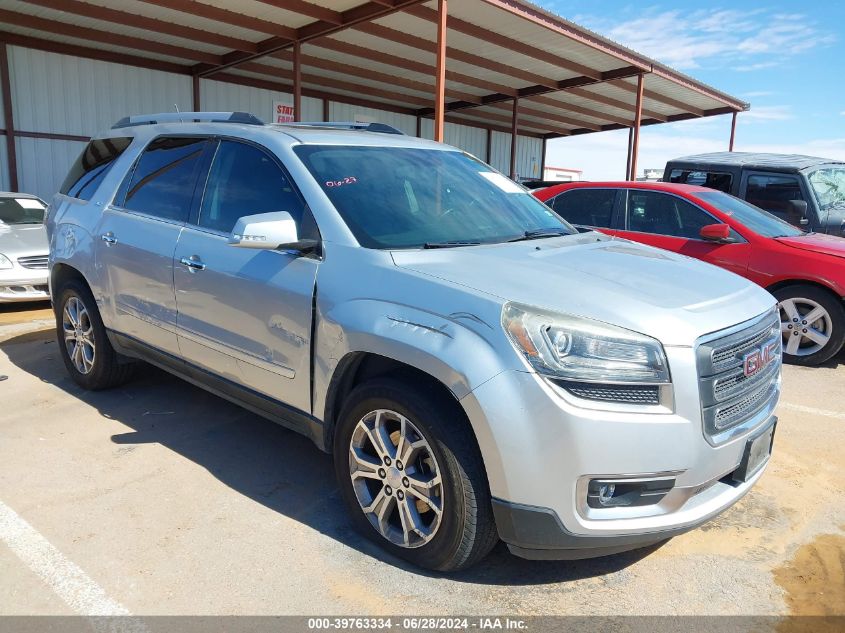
615, 493
606, 494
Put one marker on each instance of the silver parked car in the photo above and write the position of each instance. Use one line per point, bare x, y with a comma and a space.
478, 369
23, 248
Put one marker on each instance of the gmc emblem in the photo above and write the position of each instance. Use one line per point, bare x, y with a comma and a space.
759, 358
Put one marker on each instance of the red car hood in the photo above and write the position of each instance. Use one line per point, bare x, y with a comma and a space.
817, 242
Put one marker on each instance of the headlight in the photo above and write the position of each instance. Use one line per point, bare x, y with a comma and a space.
574, 348
5, 262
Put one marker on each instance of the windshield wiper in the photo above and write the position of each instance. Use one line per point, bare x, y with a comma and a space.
539, 234
451, 243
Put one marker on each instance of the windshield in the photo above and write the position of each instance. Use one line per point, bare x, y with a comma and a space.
829, 186
395, 197
754, 218
21, 211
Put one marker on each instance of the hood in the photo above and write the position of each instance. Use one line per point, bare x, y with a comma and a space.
817, 243
23, 239
670, 297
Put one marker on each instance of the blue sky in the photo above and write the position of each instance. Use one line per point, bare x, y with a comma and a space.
786, 58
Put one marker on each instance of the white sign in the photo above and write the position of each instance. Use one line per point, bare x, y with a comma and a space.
502, 182
282, 112
29, 203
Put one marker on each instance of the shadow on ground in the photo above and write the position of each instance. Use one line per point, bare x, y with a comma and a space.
257, 458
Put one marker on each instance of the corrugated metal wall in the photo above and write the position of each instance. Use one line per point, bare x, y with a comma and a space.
529, 156
4, 156
346, 112
218, 96
470, 139
43, 164
500, 152
71, 95
61, 94
4, 166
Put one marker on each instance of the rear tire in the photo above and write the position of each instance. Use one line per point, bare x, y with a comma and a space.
84, 345
819, 337
442, 490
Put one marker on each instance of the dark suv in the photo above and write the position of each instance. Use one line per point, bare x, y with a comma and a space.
806, 191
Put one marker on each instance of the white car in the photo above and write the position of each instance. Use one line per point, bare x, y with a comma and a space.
23, 248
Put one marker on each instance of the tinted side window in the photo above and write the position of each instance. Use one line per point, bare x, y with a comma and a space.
711, 179
773, 194
662, 214
586, 207
244, 180
164, 178
91, 167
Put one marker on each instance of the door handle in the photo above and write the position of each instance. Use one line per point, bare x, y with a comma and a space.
109, 238
193, 263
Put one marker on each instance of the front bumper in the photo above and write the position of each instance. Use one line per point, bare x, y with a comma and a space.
538, 534
23, 287
540, 450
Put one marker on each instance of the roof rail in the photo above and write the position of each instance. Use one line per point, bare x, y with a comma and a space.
188, 117
350, 125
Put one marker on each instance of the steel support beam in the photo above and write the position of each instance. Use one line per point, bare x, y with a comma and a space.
514, 136
638, 117
196, 104
733, 132
8, 118
297, 81
440, 76
630, 148
542, 175
489, 146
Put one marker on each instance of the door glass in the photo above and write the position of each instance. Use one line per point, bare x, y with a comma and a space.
163, 181
244, 180
773, 194
662, 214
710, 179
586, 207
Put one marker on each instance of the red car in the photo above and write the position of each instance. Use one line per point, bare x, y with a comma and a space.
804, 271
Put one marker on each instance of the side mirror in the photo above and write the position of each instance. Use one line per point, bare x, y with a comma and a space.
264, 231
716, 233
798, 212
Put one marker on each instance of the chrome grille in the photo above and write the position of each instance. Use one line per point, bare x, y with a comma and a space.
729, 398
731, 355
34, 261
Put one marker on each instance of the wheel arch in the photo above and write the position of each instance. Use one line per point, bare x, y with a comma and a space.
358, 367
784, 283
60, 273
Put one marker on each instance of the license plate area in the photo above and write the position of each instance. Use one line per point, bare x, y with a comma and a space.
756, 453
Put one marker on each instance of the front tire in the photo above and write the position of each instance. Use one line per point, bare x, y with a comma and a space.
812, 324
83, 343
411, 474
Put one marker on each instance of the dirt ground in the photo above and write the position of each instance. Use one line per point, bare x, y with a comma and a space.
158, 498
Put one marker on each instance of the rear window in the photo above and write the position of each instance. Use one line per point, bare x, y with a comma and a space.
710, 179
91, 167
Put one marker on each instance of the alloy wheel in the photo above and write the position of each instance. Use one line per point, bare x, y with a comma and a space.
79, 335
805, 325
396, 478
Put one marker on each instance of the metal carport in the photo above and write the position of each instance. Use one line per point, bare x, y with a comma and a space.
504, 66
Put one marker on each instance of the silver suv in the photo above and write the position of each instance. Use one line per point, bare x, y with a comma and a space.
478, 369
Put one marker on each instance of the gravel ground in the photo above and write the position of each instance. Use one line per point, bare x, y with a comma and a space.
158, 498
